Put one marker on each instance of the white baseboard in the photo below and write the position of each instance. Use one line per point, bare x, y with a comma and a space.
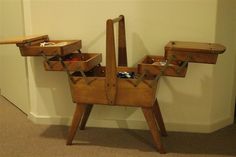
48, 120
133, 124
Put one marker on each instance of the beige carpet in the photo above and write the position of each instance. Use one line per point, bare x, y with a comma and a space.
19, 137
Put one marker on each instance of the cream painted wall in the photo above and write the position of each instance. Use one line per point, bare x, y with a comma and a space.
1, 31
187, 104
224, 89
234, 16
14, 84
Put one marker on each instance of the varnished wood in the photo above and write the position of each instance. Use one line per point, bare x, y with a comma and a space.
87, 62
150, 118
111, 78
36, 50
152, 65
30, 45
197, 47
194, 51
80, 108
127, 93
122, 54
85, 116
118, 19
159, 119
193, 57
24, 40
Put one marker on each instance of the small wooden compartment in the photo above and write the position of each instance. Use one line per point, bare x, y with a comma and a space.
93, 90
74, 62
194, 51
155, 64
41, 45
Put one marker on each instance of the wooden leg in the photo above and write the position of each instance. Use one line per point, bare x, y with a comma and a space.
157, 112
85, 116
75, 122
150, 118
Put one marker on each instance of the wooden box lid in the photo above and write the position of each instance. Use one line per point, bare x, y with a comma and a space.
24, 40
195, 47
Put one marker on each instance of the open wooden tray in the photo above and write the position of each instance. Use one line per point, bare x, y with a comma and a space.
41, 45
194, 51
60, 47
155, 64
92, 89
74, 62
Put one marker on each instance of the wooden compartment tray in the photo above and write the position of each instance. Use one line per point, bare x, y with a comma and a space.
74, 62
194, 51
93, 91
38, 45
155, 64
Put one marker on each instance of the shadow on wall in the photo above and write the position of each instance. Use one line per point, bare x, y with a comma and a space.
53, 90
193, 104
224, 72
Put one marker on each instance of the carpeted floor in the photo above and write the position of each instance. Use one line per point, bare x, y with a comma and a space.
19, 137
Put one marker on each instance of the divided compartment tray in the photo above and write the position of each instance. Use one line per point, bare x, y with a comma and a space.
127, 94
30, 45
194, 51
154, 64
60, 47
74, 62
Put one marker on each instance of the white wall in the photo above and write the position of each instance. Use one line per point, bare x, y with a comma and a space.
14, 84
224, 89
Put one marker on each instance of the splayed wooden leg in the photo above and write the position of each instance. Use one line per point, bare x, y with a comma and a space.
85, 116
80, 108
150, 118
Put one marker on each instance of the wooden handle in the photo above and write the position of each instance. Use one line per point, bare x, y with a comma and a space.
111, 79
118, 19
122, 52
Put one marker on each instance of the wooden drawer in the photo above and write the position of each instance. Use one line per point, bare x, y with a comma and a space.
74, 62
155, 64
38, 45
194, 51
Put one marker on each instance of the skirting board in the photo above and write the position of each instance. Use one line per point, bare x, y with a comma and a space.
133, 124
